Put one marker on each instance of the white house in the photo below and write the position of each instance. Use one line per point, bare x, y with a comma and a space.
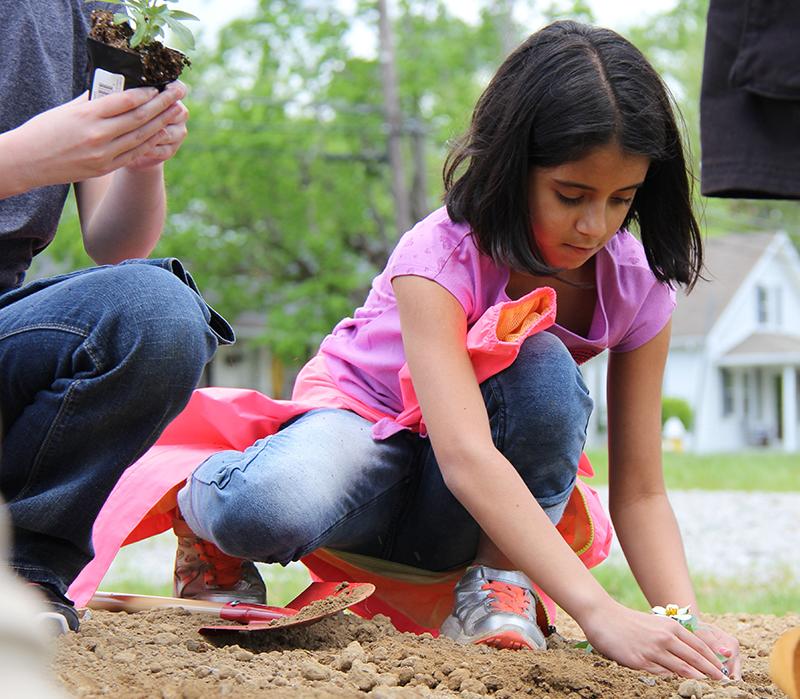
735, 350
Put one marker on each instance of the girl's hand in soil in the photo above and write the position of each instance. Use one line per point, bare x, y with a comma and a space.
724, 644
170, 137
83, 139
651, 643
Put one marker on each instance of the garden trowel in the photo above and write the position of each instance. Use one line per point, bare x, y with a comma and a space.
317, 601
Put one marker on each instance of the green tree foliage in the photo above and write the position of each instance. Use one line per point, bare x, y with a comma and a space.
280, 199
579, 10
260, 197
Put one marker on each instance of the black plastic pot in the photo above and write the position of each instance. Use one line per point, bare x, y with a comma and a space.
120, 66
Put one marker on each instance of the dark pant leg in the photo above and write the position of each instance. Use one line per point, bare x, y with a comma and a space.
94, 366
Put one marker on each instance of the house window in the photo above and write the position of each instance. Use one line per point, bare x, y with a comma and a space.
727, 392
769, 306
797, 389
758, 394
233, 358
762, 305
748, 390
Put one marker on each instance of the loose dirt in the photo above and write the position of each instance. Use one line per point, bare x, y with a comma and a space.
160, 654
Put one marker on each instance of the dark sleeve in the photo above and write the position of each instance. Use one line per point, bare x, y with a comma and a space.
750, 100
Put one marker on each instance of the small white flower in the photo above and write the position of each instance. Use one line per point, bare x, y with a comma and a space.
673, 611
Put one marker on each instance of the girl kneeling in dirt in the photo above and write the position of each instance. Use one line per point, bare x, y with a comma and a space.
573, 140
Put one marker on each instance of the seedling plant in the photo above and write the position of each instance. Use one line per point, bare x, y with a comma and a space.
149, 19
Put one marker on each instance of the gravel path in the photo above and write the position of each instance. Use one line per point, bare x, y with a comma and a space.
752, 536
734, 534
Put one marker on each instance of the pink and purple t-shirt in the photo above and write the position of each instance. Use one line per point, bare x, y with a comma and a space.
364, 354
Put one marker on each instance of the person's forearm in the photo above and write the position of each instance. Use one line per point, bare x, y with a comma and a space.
129, 218
13, 178
495, 495
649, 536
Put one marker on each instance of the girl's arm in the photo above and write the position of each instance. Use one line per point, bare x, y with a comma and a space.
434, 336
641, 512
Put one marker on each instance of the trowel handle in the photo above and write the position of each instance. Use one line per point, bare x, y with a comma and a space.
232, 611
125, 602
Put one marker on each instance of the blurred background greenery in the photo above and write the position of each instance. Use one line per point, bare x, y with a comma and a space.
308, 156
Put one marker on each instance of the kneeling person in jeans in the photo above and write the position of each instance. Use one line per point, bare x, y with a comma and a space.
93, 364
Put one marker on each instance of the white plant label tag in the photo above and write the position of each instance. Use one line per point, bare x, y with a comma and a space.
105, 83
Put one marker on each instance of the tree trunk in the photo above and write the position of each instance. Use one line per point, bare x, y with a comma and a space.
419, 184
505, 26
391, 105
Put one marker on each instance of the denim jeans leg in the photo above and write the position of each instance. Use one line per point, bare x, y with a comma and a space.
538, 411
320, 481
323, 481
94, 366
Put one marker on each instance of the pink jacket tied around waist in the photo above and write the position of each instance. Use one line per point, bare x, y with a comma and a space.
220, 419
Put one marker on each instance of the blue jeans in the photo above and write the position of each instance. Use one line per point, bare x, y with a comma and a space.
323, 481
95, 364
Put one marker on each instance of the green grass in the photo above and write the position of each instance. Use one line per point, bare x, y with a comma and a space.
770, 471
780, 596
284, 584
137, 586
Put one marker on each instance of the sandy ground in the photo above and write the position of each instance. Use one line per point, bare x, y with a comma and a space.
161, 654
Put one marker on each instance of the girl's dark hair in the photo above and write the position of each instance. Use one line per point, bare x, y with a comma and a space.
567, 89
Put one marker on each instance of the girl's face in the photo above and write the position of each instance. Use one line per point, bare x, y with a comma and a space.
577, 207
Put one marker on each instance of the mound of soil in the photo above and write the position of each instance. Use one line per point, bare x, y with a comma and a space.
160, 654
160, 64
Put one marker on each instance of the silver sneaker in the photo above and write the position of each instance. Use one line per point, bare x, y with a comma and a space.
495, 608
204, 572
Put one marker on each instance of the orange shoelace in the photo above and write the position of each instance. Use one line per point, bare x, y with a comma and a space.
507, 598
222, 570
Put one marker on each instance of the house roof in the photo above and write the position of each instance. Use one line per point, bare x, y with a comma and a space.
728, 259
764, 348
